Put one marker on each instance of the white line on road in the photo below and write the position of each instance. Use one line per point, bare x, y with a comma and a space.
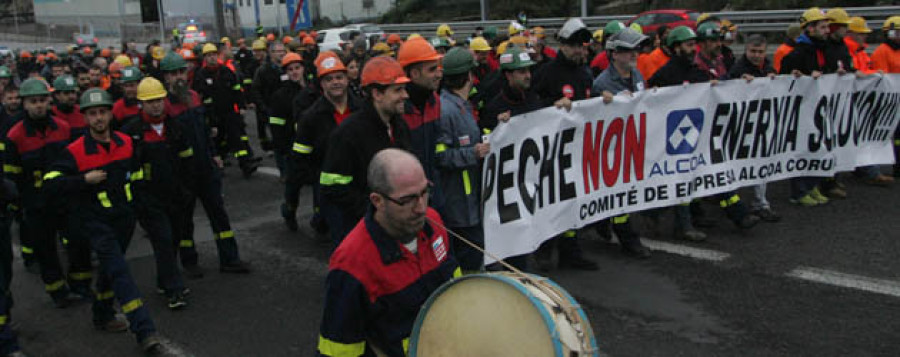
859, 282
697, 253
269, 171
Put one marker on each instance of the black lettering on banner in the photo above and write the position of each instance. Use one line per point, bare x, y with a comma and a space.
490, 169
508, 212
547, 166
715, 146
528, 151
566, 188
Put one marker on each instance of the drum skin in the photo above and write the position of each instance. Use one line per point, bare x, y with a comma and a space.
498, 315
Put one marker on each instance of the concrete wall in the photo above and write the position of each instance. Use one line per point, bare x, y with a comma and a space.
353, 10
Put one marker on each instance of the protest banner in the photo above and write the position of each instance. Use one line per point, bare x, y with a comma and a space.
550, 170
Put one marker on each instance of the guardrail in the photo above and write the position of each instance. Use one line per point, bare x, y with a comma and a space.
747, 21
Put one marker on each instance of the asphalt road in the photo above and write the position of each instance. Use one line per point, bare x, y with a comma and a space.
737, 294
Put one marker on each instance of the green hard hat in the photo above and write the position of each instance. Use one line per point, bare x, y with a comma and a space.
65, 84
439, 42
612, 28
680, 34
490, 33
95, 97
708, 31
34, 87
514, 58
172, 62
4, 72
458, 61
131, 74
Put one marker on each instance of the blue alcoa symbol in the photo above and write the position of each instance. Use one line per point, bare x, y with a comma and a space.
683, 128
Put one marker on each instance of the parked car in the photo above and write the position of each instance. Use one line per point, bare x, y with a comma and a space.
651, 20
372, 32
332, 39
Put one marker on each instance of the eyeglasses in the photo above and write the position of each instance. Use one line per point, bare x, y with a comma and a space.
409, 199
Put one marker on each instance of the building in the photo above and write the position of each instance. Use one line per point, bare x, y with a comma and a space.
353, 11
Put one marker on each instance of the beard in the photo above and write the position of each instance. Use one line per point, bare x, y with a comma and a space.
181, 91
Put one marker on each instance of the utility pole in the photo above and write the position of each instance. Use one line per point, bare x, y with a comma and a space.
219, 11
483, 10
584, 8
162, 21
16, 14
121, 20
278, 17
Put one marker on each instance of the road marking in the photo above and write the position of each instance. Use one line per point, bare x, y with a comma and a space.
859, 282
269, 171
687, 251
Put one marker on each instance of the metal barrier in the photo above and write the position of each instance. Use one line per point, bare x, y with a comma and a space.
747, 21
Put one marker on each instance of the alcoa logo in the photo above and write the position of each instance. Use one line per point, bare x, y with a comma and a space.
683, 128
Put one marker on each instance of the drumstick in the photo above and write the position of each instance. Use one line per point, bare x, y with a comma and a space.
569, 311
473, 245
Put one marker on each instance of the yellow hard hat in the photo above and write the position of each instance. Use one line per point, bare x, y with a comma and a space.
813, 14
209, 48
501, 48
858, 25
703, 17
636, 27
538, 32
518, 40
444, 30
150, 88
838, 16
259, 45
598, 35
158, 53
383, 49
412, 36
224, 39
123, 60
479, 44
892, 23
515, 28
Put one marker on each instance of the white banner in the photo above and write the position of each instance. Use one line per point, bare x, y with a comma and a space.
550, 170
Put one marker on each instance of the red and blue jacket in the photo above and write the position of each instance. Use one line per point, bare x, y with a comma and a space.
77, 125
65, 178
29, 151
421, 112
375, 288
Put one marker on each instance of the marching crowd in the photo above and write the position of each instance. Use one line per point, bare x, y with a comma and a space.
388, 133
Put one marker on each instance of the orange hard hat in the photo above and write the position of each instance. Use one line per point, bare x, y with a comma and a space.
328, 62
26, 54
301, 34
289, 58
394, 39
415, 51
287, 39
105, 53
115, 69
308, 40
384, 71
87, 50
40, 58
188, 54
270, 37
51, 56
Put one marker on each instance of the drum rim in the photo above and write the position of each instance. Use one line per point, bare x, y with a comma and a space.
549, 323
590, 329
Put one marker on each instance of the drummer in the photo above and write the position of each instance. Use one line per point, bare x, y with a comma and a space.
387, 266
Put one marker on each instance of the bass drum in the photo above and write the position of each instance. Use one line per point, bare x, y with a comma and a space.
502, 314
